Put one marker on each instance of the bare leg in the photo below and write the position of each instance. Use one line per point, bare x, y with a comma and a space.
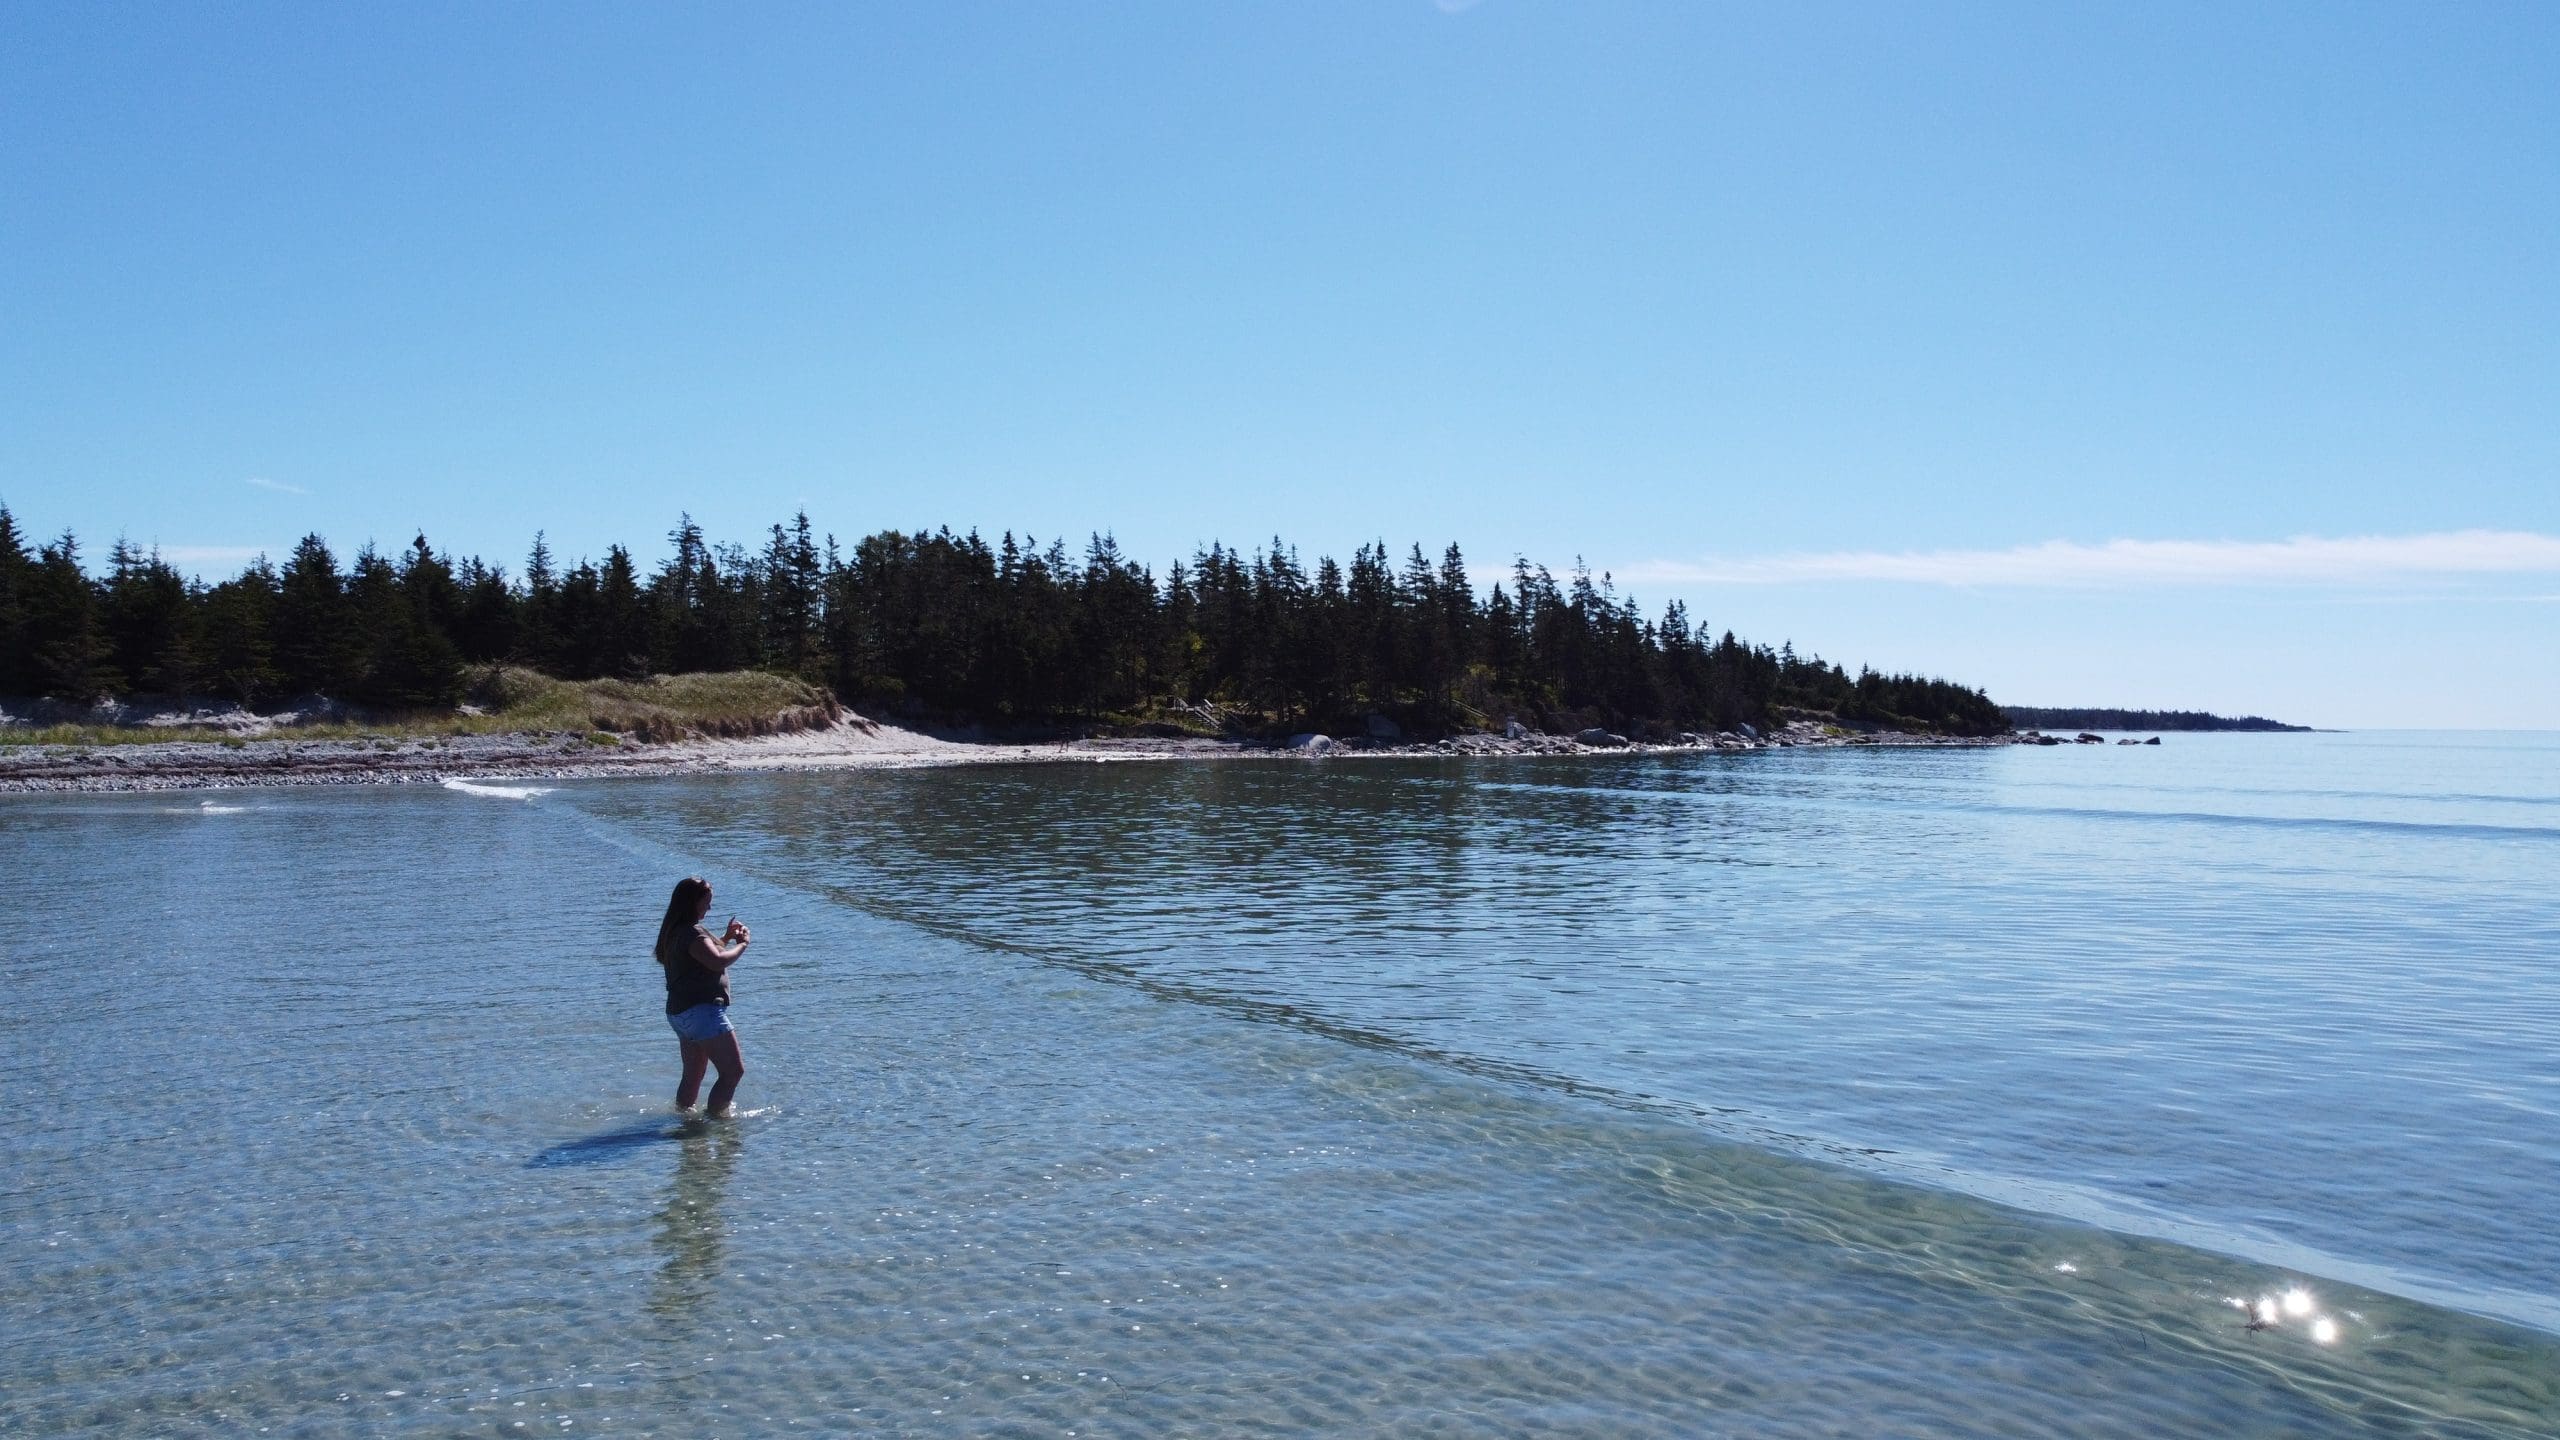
695, 1058
722, 1050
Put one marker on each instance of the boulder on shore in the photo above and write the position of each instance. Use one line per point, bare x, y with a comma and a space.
1382, 728
2085, 738
1312, 745
2154, 740
1602, 739
1514, 730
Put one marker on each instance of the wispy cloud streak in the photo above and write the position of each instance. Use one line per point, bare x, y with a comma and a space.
207, 554
278, 486
2063, 564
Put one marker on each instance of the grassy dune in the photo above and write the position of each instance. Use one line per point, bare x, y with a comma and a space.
509, 699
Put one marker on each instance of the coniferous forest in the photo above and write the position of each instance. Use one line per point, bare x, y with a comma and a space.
941, 624
2052, 718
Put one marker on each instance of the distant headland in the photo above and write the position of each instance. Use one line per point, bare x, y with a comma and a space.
2032, 717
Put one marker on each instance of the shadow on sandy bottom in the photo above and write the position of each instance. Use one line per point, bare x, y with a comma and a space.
615, 1144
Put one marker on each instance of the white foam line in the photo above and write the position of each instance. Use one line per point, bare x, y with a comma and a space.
499, 792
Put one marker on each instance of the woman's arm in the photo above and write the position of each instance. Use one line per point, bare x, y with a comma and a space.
711, 954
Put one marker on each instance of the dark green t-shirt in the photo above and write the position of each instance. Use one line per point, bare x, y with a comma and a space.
689, 981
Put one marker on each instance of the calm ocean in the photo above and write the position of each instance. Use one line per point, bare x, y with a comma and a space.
1927, 1093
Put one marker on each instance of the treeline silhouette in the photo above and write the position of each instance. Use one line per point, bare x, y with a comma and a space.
2052, 718
944, 623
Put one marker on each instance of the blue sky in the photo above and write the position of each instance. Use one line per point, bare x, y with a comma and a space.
2144, 355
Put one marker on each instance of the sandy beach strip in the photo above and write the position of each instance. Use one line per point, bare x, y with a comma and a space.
854, 743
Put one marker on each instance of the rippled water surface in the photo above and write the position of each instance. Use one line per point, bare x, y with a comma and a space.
1800, 1093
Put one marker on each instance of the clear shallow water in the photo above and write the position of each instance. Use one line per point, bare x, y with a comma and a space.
1794, 1094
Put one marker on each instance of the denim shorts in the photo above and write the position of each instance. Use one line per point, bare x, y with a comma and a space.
706, 1021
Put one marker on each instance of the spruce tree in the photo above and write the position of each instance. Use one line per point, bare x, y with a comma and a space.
17, 575
486, 627
314, 637
434, 593
675, 609
238, 659
67, 656
730, 604
149, 620
578, 651
619, 643
541, 638
406, 664
792, 581
1502, 639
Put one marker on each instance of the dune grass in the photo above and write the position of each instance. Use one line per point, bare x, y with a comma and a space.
730, 702
95, 735
511, 700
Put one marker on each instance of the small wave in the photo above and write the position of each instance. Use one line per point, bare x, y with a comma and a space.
499, 792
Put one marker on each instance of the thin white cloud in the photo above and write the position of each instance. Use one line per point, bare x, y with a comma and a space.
209, 554
2305, 559
278, 486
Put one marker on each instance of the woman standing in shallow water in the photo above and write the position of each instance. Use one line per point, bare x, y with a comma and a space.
697, 969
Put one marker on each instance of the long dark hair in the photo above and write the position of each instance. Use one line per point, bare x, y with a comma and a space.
684, 910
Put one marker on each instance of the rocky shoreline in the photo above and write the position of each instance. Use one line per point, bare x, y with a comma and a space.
851, 743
